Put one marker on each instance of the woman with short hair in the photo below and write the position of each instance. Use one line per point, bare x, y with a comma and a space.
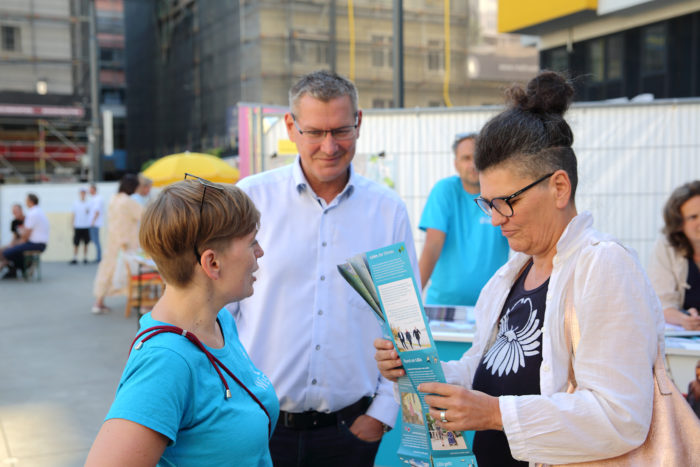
189, 394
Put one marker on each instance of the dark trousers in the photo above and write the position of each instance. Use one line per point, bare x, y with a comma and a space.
15, 254
327, 446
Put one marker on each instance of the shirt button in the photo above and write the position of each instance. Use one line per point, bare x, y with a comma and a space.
320, 312
313, 381
323, 244
323, 278
545, 367
318, 347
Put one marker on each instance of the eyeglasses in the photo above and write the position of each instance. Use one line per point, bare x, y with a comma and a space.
206, 184
343, 133
502, 204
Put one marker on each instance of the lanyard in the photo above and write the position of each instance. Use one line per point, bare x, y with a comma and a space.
215, 362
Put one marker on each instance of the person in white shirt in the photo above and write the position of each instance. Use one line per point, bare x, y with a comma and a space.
35, 236
306, 328
97, 219
81, 226
511, 385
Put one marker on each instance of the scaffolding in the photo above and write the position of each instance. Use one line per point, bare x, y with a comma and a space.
37, 142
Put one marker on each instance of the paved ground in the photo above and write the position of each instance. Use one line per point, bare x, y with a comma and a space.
59, 366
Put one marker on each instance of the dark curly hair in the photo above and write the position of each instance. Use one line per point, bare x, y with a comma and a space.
674, 220
531, 132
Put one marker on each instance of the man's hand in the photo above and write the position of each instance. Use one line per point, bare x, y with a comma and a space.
367, 428
388, 360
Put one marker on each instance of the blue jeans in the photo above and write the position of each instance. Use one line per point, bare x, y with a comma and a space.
321, 447
95, 238
15, 254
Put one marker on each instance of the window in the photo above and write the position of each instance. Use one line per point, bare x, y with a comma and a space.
111, 57
380, 103
9, 36
559, 59
654, 49
596, 60
382, 53
613, 59
436, 55
310, 51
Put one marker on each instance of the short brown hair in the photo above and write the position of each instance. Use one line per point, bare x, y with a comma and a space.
674, 220
172, 227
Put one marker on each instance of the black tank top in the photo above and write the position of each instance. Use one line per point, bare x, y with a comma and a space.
511, 366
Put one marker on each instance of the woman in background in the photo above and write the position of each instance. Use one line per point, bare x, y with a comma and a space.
123, 217
673, 267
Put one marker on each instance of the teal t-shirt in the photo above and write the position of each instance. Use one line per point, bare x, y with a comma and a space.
473, 249
169, 386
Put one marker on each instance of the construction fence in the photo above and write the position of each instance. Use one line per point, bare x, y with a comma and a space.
630, 156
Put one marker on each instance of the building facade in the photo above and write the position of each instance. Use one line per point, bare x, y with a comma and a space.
211, 55
615, 48
109, 15
44, 89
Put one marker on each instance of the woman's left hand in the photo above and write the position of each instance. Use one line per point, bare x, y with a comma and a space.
464, 409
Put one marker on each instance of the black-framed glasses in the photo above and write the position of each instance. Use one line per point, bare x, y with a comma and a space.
502, 203
343, 133
205, 184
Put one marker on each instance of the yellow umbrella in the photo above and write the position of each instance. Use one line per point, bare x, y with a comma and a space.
172, 168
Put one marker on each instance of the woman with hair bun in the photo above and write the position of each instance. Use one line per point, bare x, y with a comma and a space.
511, 386
673, 266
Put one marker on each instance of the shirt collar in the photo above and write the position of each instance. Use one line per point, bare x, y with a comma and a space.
573, 234
301, 183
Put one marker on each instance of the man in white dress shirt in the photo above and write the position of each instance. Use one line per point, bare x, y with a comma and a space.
305, 327
34, 236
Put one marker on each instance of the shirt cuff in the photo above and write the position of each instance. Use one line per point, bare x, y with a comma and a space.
511, 424
384, 409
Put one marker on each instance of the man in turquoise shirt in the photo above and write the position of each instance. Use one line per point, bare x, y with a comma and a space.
462, 249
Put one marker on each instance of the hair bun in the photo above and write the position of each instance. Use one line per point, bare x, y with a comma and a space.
547, 93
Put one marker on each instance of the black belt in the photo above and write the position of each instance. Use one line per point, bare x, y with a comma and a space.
313, 419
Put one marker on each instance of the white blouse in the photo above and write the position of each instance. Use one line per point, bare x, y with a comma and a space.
621, 326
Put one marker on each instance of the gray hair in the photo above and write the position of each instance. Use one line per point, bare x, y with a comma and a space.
459, 137
144, 181
323, 85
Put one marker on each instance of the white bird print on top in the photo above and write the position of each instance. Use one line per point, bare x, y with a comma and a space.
512, 345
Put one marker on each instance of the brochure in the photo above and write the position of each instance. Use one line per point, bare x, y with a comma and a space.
384, 279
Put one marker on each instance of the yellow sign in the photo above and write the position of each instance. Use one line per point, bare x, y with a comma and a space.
514, 15
286, 147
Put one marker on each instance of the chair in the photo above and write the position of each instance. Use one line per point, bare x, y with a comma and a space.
144, 290
32, 265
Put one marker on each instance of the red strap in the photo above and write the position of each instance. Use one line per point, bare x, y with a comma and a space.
216, 363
